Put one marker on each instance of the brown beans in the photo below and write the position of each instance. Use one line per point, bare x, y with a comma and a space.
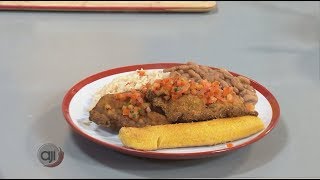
244, 92
193, 74
210, 78
216, 77
250, 98
241, 85
204, 69
187, 75
184, 67
171, 69
226, 73
250, 88
236, 90
236, 83
228, 81
174, 73
191, 63
223, 83
244, 80
198, 70
180, 71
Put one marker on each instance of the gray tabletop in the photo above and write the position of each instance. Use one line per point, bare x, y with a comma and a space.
43, 54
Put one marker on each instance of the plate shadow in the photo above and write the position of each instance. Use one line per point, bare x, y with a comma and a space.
226, 165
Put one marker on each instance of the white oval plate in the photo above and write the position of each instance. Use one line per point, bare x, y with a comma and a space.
79, 99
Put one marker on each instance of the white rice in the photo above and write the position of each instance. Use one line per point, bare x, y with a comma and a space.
127, 82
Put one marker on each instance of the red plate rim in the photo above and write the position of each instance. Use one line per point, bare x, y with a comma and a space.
161, 155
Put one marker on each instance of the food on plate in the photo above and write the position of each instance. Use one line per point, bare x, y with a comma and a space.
127, 82
180, 94
204, 133
187, 101
241, 85
113, 112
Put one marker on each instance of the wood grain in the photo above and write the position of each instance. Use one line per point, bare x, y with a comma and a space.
170, 6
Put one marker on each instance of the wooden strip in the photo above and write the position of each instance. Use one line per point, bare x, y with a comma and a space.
172, 6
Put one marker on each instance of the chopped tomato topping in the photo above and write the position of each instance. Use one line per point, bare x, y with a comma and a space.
141, 72
227, 90
249, 106
173, 88
229, 145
